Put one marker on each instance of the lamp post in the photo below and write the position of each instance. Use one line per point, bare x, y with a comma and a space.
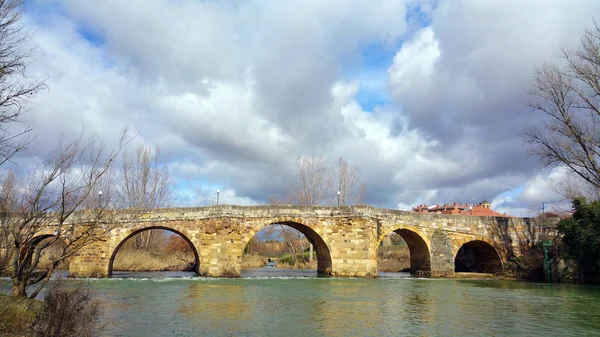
339, 192
100, 199
218, 191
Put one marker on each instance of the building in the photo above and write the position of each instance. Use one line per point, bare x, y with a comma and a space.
483, 208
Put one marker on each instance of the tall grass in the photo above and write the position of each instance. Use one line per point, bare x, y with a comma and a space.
17, 315
141, 260
254, 261
302, 261
298, 265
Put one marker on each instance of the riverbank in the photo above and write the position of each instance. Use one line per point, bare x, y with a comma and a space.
17, 316
391, 259
141, 260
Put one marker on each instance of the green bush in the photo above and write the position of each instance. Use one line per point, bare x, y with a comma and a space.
581, 236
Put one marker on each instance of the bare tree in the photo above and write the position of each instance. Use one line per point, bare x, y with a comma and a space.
48, 201
316, 183
312, 182
15, 88
349, 184
294, 240
572, 186
569, 95
144, 184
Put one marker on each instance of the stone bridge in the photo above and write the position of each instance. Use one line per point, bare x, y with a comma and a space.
345, 238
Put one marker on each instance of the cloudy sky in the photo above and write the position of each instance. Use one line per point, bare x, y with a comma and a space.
426, 97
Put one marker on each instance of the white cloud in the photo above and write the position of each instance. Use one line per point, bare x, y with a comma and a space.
414, 67
234, 93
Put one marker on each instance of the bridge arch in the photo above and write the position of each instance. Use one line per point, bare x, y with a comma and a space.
418, 246
477, 256
27, 252
140, 230
322, 250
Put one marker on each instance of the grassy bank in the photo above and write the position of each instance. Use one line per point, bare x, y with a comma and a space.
393, 258
299, 265
254, 261
286, 261
17, 315
141, 260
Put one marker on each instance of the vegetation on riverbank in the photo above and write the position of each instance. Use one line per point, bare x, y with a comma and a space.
581, 237
254, 261
65, 311
17, 315
393, 258
302, 261
141, 260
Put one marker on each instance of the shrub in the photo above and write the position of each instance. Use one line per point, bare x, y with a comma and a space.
528, 266
254, 261
176, 243
581, 236
68, 312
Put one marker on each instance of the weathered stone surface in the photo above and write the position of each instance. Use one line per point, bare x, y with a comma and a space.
345, 238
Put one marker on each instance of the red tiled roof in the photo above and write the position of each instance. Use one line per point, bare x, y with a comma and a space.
463, 209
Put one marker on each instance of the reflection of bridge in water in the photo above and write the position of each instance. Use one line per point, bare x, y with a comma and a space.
345, 238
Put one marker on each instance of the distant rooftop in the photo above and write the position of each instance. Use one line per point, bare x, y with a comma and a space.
483, 208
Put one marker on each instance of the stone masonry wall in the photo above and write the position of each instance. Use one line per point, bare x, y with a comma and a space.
345, 238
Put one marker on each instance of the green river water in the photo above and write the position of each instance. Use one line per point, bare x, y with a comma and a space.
266, 303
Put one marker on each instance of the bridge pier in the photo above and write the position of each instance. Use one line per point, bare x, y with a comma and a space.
91, 261
442, 255
353, 246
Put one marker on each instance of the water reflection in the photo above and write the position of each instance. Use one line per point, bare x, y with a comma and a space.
277, 272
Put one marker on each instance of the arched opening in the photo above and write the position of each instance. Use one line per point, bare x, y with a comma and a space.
159, 249
286, 246
404, 251
52, 249
477, 257
56, 249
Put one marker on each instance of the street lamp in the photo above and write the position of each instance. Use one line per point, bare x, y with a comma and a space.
339, 197
100, 199
218, 191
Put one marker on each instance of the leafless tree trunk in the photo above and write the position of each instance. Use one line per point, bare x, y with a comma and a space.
144, 184
7, 197
15, 88
49, 200
570, 96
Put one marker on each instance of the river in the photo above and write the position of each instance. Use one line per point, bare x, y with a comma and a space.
274, 302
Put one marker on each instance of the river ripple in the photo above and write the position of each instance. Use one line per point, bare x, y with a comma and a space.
294, 305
